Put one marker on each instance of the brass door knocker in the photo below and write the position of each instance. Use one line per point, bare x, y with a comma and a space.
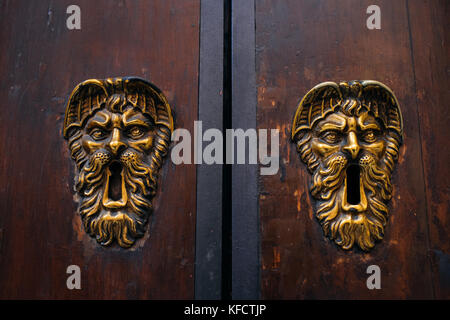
348, 135
118, 131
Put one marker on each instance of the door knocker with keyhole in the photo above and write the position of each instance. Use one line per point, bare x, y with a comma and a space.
349, 135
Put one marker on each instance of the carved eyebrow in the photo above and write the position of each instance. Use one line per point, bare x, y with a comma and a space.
132, 118
136, 122
331, 125
97, 122
369, 125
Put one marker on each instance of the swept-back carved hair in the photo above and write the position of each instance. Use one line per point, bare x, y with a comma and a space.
352, 98
117, 93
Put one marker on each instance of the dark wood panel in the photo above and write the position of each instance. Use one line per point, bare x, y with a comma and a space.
41, 63
245, 226
208, 248
430, 39
298, 45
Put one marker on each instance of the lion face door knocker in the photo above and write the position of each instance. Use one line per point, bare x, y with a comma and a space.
118, 132
349, 135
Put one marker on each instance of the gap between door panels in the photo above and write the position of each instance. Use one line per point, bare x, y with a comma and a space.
227, 222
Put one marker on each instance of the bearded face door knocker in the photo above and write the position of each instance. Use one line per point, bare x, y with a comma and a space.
118, 131
349, 135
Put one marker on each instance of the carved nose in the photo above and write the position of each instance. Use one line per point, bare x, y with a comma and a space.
352, 146
116, 145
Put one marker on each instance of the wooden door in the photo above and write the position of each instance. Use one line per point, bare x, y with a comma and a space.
42, 61
296, 45
221, 231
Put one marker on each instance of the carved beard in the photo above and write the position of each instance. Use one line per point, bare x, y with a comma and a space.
124, 224
346, 228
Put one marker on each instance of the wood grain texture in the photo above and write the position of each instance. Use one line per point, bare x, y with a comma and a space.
41, 63
300, 44
430, 38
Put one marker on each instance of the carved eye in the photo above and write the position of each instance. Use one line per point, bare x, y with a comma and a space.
98, 134
331, 136
136, 132
370, 136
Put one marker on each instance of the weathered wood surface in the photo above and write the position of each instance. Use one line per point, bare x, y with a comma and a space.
41, 62
298, 45
430, 39
302, 43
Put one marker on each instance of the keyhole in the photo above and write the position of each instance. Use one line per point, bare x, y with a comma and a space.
115, 181
353, 188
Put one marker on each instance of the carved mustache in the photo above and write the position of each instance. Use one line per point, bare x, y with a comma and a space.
329, 177
138, 175
140, 187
